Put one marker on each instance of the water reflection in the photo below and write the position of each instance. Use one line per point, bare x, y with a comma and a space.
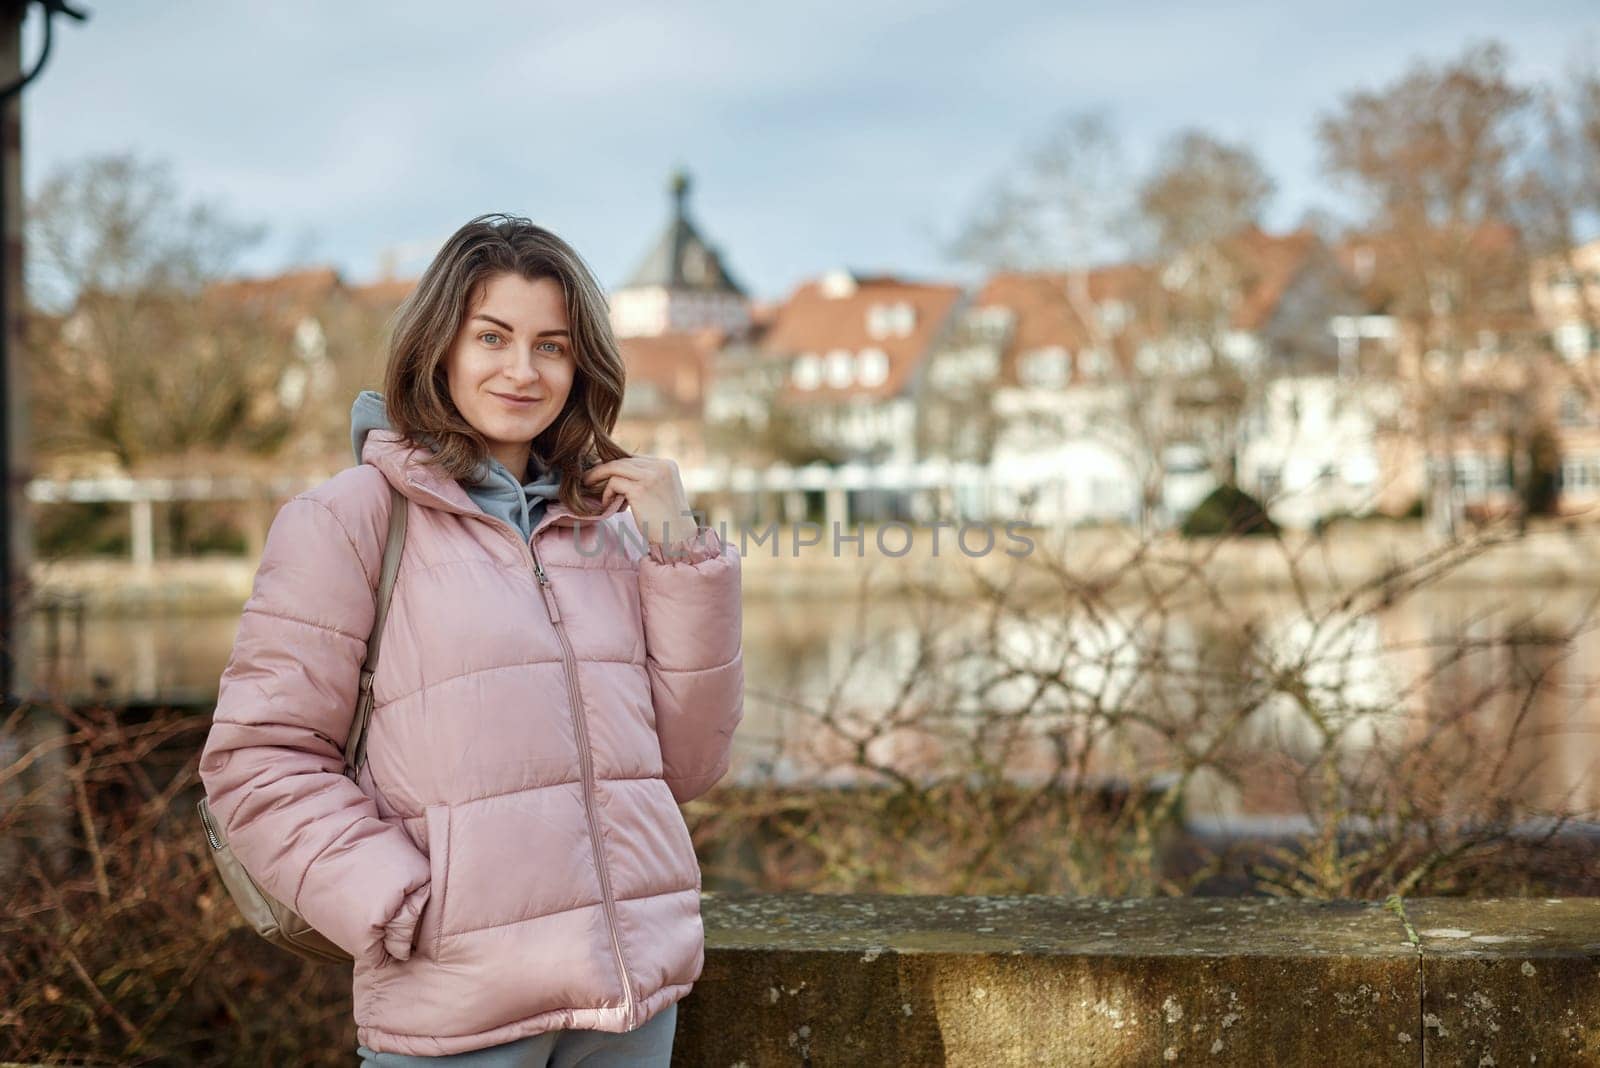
1497, 688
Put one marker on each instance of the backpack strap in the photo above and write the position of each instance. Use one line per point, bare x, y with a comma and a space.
355, 749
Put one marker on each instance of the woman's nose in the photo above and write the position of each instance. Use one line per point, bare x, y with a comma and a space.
524, 367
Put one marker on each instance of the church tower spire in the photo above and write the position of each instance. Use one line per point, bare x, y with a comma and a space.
682, 282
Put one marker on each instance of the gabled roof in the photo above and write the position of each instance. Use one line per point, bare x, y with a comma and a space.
300, 291
813, 321
1039, 301
386, 293
1378, 261
1044, 317
307, 291
683, 259
1272, 262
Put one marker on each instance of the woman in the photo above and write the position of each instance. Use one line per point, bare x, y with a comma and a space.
510, 870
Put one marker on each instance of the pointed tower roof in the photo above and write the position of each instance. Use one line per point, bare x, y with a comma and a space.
682, 259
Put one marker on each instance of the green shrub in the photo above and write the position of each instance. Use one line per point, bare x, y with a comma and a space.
81, 528
1228, 510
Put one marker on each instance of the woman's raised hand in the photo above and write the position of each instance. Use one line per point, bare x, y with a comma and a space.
654, 491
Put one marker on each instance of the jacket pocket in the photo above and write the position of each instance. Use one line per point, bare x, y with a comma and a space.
434, 915
685, 842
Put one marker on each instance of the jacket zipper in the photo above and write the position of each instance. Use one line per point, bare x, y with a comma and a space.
585, 757
586, 765
211, 834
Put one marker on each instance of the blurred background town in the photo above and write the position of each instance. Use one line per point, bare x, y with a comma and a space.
1130, 341
1277, 332
1315, 485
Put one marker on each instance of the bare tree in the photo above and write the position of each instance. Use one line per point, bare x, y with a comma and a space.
1062, 206
1166, 316
1202, 192
1434, 156
1061, 210
1559, 205
137, 353
1202, 207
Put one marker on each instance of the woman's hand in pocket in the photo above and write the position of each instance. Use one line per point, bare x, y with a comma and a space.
400, 933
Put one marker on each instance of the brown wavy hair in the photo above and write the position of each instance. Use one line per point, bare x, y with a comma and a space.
416, 390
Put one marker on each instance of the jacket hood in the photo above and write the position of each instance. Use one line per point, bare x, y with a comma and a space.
493, 487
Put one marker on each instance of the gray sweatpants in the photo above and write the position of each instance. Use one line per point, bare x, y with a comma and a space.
648, 1046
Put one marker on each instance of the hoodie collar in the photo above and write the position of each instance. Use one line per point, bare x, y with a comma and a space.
401, 461
373, 440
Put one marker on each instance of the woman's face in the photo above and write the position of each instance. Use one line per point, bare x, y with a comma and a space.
511, 365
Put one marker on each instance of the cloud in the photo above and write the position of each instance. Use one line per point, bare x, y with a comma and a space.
819, 134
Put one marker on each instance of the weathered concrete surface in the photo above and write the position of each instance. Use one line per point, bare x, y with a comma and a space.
1510, 981
799, 979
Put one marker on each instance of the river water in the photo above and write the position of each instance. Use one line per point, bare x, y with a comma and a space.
1507, 680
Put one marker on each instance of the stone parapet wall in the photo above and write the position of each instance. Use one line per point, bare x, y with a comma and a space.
798, 979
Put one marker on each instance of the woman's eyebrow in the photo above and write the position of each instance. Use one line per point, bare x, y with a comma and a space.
508, 328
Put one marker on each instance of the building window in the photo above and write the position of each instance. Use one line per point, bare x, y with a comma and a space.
990, 322
1113, 316
1574, 340
904, 318
807, 371
878, 324
891, 320
1148, 360
1580, 474
1240, 346
1046, 368
1094, 363
872, 367
839, 369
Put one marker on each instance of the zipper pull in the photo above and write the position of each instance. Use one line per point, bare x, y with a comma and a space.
549, 593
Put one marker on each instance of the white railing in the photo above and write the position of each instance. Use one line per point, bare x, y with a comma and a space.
975, 491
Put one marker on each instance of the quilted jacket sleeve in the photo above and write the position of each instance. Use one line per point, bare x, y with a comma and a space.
690, 595
272, 764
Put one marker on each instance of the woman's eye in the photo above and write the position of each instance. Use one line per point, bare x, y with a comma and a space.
489, 337
554, 349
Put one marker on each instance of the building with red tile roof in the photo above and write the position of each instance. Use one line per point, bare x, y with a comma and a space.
1101, 375
1479, 330
850, 349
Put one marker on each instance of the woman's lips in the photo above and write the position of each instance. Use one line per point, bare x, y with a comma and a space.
516, 402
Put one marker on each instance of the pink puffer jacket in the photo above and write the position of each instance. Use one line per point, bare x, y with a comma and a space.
513, 859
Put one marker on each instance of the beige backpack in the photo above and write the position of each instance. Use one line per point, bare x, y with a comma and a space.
272, 919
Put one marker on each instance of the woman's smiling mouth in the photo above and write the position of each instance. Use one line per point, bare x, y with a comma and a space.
517, 402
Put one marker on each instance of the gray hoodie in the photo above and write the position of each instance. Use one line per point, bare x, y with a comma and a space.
493, 488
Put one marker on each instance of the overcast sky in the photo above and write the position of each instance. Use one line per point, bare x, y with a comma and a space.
818, 134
